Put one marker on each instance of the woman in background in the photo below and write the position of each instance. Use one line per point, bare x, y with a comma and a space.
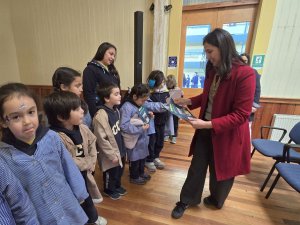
100, 72
246, 59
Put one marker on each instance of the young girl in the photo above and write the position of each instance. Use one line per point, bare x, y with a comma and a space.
37, 156
175, 92
159, 93
67, 79
109, 141
138, 151
65, 116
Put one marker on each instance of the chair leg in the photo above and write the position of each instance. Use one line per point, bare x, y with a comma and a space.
252, 153
273, 185
268, 177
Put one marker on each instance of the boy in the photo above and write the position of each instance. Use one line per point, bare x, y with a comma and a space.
65, 116
110, 141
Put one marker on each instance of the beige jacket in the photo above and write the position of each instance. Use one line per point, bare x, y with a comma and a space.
106, 142
88, 162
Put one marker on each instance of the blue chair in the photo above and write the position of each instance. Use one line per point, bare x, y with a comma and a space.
275, 149
290, 172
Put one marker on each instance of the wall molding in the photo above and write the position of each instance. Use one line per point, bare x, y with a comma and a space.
280, 100
263, 116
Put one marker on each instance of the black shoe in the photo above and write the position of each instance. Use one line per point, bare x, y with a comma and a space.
139, 181
210, 201
146, 176
179, 210
112, 194
122, 191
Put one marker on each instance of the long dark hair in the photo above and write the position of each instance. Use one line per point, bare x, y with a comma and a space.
223, 40
248, 58
157, 77
65, 76
100, 55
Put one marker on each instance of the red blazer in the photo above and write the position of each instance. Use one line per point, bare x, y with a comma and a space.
230, 113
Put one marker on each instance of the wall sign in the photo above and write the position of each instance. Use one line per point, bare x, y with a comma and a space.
172, 62
258, 61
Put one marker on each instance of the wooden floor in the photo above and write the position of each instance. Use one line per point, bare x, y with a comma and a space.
246, 205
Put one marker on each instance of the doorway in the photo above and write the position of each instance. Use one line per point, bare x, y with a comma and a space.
237, 20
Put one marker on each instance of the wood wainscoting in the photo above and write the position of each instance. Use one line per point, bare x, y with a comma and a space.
263, 116
271, 106
41, 91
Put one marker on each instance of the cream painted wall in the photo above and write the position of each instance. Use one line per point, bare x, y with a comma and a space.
9, 70
281, 74
53, 33
263, 28
175, 34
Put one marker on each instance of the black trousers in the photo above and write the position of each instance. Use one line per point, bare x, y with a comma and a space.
112, 177
191, 192
123, 159
137, 168
88, 205
156, 142
175, 121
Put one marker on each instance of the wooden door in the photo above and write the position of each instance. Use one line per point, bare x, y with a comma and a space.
238, 20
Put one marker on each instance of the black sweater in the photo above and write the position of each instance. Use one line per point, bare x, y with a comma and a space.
162, 117
95, 75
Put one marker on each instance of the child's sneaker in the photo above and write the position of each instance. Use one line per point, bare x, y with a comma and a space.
166, 138
139, 181
112, 194
101, 221
150, 166
146, 176
122, 191
159, 164
97, 200
173, 140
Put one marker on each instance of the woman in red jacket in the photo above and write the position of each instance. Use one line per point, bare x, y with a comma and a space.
221, 141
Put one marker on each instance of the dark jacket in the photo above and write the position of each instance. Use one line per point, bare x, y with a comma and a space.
257, 92
95, 75
160, 118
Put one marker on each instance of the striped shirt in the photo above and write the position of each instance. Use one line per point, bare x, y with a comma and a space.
52, 180
15, 205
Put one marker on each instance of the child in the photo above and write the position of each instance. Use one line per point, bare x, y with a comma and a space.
67, 79
15, 205
110, 141
65, 115
175, 92
156, 82
138, 136
38, 158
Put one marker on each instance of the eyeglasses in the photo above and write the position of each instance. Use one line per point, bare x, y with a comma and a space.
19, 116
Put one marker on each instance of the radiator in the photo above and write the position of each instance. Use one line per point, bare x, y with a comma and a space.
283, 121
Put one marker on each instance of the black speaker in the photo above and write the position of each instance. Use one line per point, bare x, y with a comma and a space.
138, 47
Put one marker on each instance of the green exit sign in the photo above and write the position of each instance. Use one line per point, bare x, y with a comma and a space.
258, 61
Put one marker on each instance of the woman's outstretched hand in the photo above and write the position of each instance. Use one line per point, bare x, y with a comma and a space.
200, 124
182, 101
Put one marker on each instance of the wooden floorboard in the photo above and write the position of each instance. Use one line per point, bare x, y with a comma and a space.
151, 204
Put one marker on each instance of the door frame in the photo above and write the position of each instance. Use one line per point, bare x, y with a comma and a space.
206, 9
